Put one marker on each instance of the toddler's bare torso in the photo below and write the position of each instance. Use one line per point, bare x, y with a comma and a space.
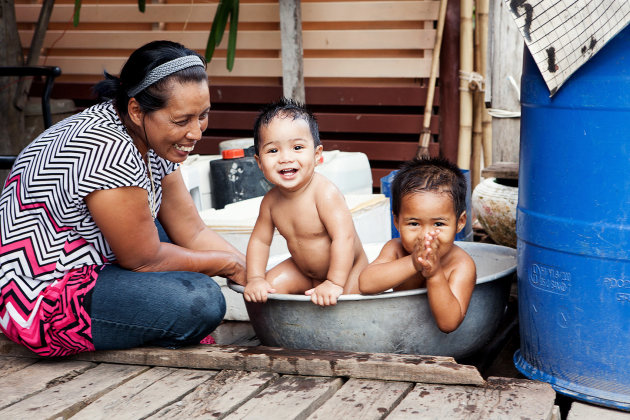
298, 221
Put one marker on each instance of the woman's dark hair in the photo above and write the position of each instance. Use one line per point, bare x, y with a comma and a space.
138, 65
287, 108
429, 174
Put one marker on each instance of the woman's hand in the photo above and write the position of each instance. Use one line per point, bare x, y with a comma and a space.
234, 268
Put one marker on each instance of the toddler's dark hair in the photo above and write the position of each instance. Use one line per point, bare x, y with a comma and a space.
429, 174
285, 108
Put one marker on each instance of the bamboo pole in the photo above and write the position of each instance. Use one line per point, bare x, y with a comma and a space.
466, 68
477, 139
425, 136
483, 8
477, 131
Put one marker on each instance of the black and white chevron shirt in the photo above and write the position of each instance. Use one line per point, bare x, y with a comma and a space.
45, 226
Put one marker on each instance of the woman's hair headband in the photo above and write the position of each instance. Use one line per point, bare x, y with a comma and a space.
164, 70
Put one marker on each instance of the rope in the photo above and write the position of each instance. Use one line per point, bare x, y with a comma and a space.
476, 81
503, 113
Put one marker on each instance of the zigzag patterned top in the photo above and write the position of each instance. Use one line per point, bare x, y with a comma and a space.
50, 248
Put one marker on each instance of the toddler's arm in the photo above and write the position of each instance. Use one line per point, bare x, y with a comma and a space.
334, 214
257, 287
388, 270
448, 297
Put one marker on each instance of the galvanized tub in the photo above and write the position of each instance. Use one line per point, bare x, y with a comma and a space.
390, 322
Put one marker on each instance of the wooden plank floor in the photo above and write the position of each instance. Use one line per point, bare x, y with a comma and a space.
239, 379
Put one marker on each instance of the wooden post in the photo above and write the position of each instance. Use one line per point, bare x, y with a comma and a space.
466, 68
449, 83
483, 7
506, 58
292, 51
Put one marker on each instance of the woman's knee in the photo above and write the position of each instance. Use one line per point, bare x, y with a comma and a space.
200, 306
194, 293
207, 301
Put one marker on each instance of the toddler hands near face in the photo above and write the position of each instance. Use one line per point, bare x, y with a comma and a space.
425, 254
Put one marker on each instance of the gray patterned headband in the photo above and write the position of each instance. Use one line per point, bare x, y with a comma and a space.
164, 70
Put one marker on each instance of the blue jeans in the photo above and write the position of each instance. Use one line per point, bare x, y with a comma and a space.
168, 309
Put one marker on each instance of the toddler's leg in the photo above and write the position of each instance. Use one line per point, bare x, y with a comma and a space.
286, 277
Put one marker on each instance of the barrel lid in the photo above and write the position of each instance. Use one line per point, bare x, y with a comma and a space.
232, 153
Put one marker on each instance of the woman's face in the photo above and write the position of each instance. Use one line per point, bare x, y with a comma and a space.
173, 131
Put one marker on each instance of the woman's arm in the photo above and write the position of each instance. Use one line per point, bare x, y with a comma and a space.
123, 216
181, 221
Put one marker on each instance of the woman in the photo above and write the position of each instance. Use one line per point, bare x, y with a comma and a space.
82, 265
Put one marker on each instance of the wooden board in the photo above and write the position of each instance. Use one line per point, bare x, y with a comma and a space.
412, 368
363, 399
372, 98
341, 39
32, 379
145, 394
215, 399
329, 122
134, 392
12, 364
583, 411
366, 39
500, 398
68, 398
374, 67
324, 11
293, 397
504, 170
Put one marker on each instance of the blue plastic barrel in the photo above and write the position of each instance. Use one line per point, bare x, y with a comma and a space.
573, 228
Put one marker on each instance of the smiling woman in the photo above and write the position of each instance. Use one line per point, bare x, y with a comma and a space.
101, 245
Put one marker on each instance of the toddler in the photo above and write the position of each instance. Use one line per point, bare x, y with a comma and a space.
429, 208
308, 210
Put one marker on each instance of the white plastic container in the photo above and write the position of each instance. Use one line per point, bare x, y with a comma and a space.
349, 171
235, 222
243, 143
196, 173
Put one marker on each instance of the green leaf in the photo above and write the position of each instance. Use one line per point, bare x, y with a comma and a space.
142, 4
77, 12
216, 32
220, 19
231, 48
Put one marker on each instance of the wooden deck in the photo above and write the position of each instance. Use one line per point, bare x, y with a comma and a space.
240, 379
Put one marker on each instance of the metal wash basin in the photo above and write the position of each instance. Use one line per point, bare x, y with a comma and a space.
390, 322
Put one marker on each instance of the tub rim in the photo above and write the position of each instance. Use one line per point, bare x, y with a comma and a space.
403, 293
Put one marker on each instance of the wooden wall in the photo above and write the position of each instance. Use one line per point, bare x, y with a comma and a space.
366, 64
